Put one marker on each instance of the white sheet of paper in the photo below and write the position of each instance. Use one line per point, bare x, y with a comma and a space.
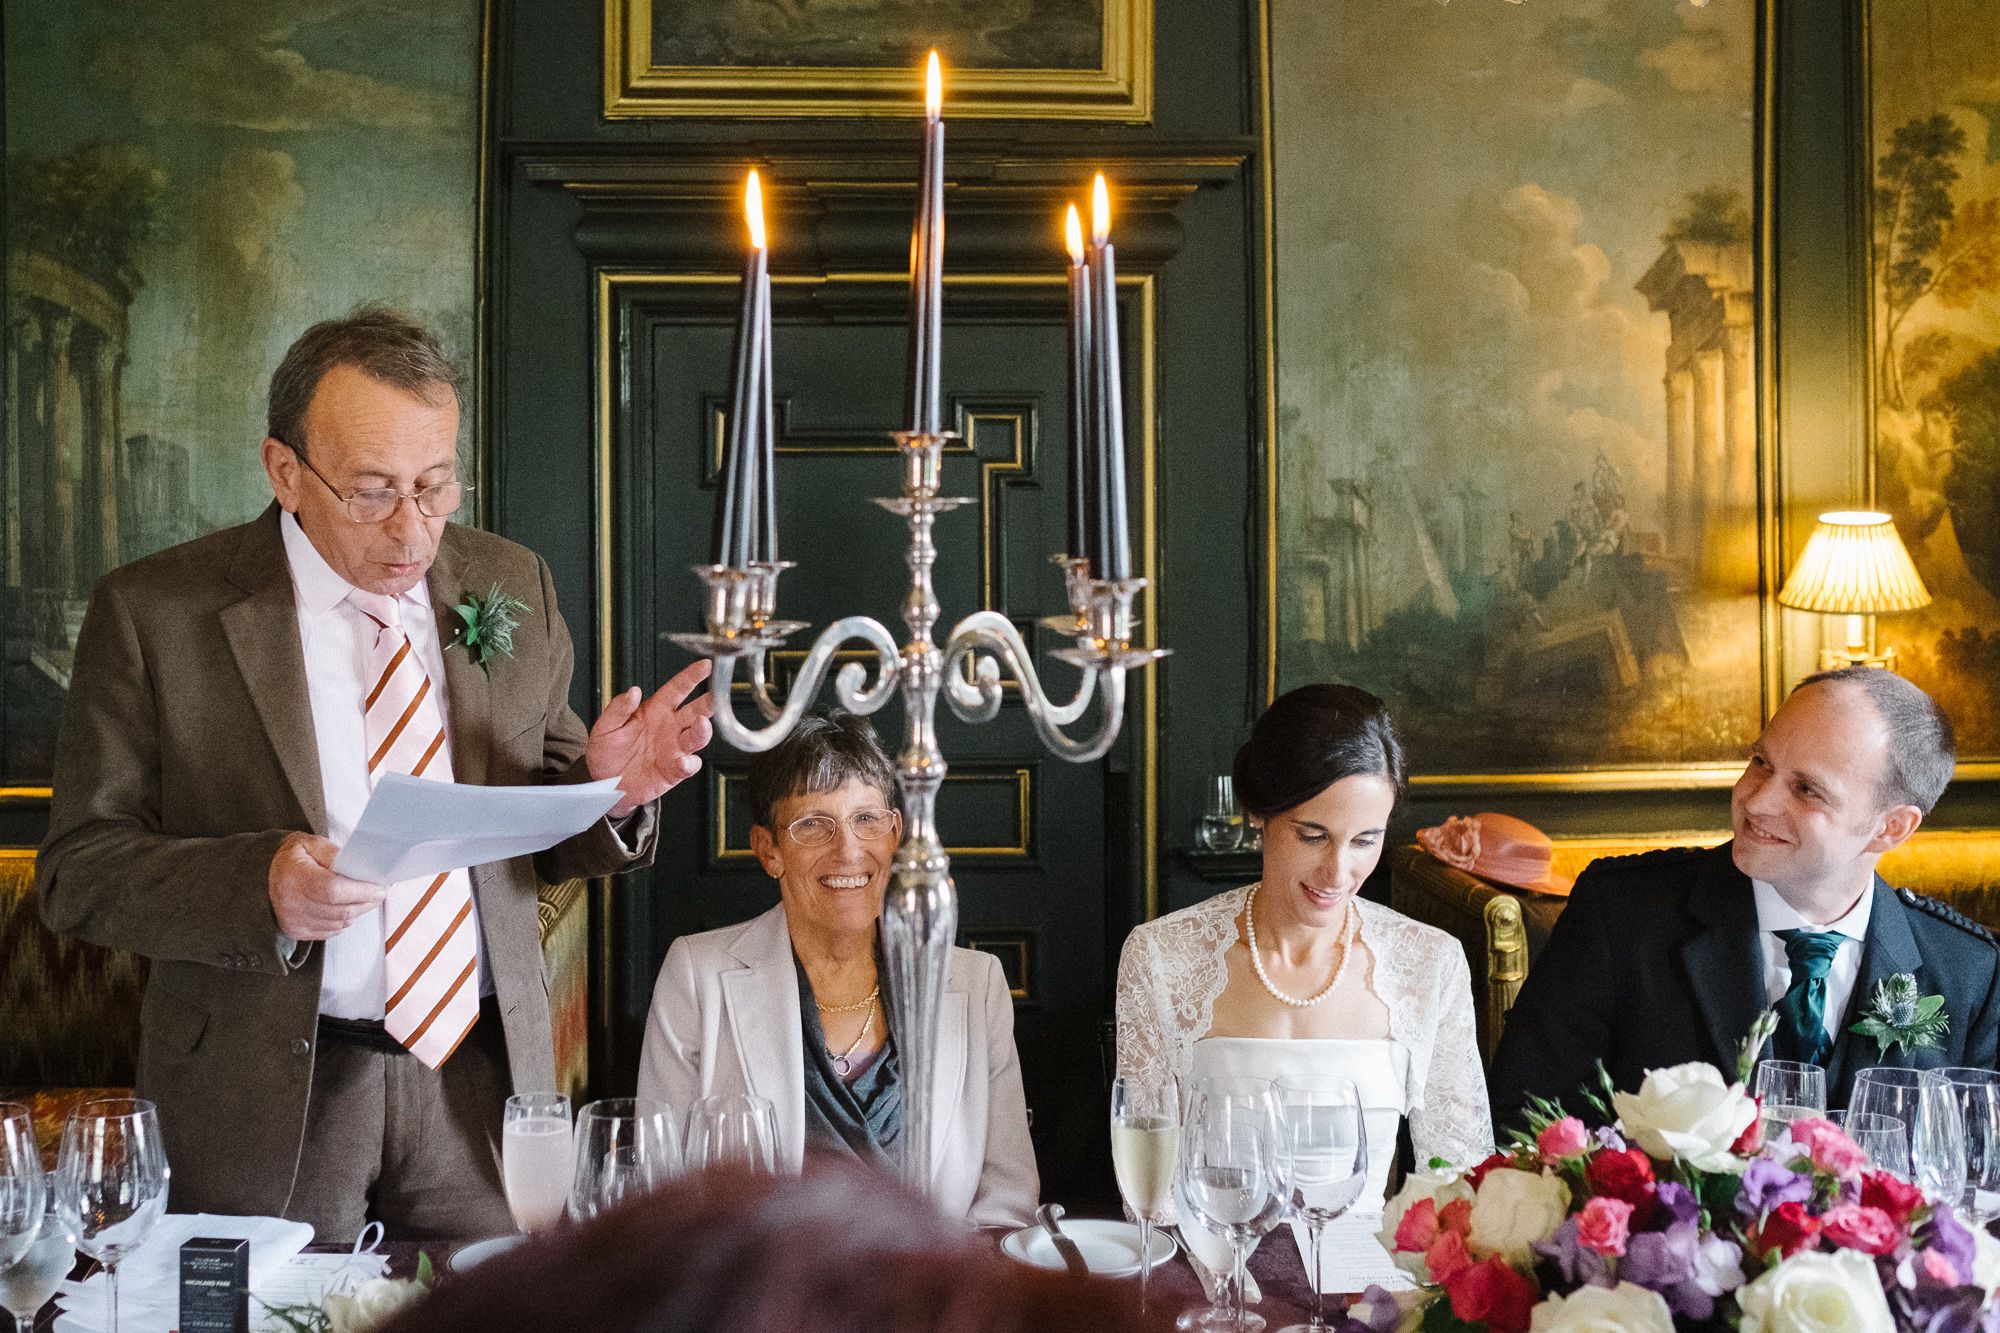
412, 827
1352, 1258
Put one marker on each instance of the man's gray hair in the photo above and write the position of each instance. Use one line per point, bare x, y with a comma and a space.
1922, 748
383, 343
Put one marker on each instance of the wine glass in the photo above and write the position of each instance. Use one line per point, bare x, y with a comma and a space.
27, 1284
739, 1128
23, 1188
535, 1158
1232, 1166
1975, 1094
624, 1147
1326, 1163
1788, 1090
1884, 1138
1145, 1153
111, 1183
1936, 1139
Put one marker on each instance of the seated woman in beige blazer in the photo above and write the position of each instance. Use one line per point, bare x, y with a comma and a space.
789, 1006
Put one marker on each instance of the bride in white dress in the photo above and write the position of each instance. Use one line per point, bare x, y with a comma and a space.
1296, 975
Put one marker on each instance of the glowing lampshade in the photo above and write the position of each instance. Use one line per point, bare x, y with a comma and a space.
1855, 565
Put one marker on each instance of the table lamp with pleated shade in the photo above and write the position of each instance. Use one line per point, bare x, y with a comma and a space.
1855, 565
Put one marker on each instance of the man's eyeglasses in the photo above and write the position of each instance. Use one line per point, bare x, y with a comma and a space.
378, 503
867, 825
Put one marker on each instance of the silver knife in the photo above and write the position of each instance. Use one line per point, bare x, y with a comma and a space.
1049, 1215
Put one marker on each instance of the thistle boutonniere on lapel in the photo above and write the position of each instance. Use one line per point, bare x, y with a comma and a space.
487, 626
1901, 1017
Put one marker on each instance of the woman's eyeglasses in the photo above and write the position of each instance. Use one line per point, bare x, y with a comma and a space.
818, 830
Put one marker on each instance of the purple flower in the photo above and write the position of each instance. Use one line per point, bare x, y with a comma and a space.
1376, 1311
1767, 1183
1678, 1202
1943, 1310
1949, 1237
1608, 1136
1687, 1270
1579, 1265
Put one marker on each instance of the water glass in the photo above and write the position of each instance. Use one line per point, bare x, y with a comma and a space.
1884, 1138
1222, 823
536, 1158
1145, 1154
1788, 1090
1326, 1163
23, 1188
29, 1283
1975, 1094
1232, 1175
1930, 1119
111, 1183
624, 1147
739, 1129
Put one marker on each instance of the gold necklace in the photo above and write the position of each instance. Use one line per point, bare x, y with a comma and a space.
843, 1062
861, 1003
1346, 952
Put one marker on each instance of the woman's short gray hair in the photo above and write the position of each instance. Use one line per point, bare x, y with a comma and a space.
1922, 748
827, 749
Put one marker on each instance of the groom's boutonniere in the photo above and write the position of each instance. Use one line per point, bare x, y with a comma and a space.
488, 625
1901, 1017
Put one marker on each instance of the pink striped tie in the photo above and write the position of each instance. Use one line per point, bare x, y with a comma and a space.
433, 989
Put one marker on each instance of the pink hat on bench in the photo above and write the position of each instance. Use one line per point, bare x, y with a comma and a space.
1501, 848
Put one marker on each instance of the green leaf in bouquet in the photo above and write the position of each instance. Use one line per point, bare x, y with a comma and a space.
1438, 1318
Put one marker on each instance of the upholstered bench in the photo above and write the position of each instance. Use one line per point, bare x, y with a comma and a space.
1503, 929
69, 1011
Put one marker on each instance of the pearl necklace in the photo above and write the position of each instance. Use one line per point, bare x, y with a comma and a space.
862, 1003
843, 1063
1347, 931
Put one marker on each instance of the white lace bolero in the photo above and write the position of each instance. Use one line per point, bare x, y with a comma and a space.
1172, 970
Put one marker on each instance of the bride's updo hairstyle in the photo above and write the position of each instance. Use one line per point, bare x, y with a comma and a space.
1310, 739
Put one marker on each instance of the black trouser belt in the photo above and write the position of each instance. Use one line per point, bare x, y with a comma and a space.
371, 1035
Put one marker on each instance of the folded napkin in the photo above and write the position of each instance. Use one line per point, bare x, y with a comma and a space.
149, 1291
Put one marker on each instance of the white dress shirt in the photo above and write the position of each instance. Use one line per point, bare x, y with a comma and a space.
1775, 914
336, 636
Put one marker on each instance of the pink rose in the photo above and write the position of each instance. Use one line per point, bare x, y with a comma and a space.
1565, 1138
1454, 842
1856, 1226
1938, 1268
1418, 1230
1448, 1257
1603, 1226
1829, 1147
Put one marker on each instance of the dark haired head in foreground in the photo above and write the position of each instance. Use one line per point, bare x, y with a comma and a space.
841, 1248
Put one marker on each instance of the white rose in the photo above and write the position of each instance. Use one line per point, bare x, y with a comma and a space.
1817, 1293
1625, 1308
1687, 1114
1439, 1187
370, 1305
1513, 1210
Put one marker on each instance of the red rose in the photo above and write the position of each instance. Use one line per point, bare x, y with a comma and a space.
1751, 1140
1788, 1229
1448, 1257
1419, 1227
1492, 1293
1857, 1226
1478, 1173
1898, 1199
1626, 1175
1456, 1217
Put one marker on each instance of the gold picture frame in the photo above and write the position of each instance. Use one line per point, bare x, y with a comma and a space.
638, 85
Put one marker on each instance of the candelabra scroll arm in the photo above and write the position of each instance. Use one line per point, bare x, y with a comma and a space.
850, 684
978, 700
760, 688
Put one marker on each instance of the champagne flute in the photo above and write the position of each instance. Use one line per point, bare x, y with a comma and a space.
1975, 1093
1145, 1154
1788, 1090
535, 1158
738, 1128
23, 1188
1326, 1163
111, 1183
1232, 1160
27, 1285
624, 1147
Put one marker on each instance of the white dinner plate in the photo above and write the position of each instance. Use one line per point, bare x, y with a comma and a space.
1110, 1249
480, 1251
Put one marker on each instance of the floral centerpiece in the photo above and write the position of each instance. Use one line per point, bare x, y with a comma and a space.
1673, 1212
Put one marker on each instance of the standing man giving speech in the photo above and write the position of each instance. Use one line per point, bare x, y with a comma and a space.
321, 1048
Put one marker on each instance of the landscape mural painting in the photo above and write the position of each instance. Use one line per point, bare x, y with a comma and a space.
872, 34
1517, 445
189, 187
1935, 113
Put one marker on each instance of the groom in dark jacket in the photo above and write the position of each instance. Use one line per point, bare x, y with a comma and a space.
1668, 957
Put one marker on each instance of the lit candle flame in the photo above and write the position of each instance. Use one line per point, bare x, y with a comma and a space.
1100, 211
753, 208
933, 88
1073, 234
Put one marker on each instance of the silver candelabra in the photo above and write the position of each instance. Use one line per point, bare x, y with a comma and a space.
920, 909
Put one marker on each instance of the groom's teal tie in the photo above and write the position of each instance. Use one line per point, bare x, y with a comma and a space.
1802, 1012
